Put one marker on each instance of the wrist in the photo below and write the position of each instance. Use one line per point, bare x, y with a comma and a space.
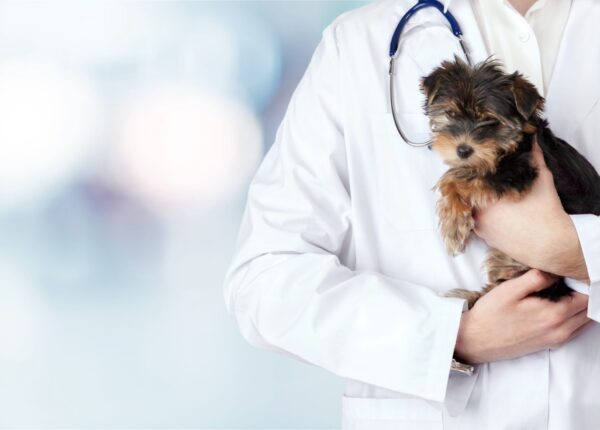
463, 350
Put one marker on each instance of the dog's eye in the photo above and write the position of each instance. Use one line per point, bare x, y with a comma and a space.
488, 123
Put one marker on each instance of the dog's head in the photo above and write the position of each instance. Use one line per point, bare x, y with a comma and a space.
478, 114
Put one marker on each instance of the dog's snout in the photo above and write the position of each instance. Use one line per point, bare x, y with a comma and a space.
464, 151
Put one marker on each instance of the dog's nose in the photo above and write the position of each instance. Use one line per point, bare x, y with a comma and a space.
464, 151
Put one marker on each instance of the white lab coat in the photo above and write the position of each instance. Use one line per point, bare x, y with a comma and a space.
339, 262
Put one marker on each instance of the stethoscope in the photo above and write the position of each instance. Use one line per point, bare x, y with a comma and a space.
421, 4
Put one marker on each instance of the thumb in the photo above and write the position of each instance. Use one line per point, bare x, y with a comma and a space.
532, 281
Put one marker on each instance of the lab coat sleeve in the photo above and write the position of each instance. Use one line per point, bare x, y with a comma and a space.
588, 231
286, 287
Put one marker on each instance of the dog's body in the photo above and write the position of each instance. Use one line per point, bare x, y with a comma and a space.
484, 123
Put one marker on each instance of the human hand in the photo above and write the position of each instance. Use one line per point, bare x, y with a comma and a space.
507, 323
535, 230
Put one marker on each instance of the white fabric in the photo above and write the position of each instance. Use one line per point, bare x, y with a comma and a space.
588, 230
339, 262
528, 43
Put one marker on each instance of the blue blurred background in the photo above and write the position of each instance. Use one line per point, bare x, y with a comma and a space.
129, 134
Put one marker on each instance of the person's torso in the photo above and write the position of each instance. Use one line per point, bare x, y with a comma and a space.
395, 224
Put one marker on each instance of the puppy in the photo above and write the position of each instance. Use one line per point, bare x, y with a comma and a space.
484, 122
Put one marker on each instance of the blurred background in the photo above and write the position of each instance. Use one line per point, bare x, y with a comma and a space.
129, 132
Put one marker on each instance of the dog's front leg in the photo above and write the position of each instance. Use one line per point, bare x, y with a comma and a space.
455, 215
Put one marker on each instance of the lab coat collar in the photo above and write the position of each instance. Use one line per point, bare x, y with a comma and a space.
446, 4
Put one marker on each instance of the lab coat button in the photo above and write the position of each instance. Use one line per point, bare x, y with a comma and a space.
524, 37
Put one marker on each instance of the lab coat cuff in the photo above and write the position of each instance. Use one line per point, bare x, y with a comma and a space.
444, 386
460, 386
588, 231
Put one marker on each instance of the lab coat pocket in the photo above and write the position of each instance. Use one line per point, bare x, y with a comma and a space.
406, 174
390, 414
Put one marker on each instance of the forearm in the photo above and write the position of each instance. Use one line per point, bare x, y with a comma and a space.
561, 252
357, 324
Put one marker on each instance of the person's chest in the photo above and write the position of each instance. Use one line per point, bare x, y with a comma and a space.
524, 35
391, 183
395, 225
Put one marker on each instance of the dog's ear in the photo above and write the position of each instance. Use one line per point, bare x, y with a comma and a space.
527, 99
430, 85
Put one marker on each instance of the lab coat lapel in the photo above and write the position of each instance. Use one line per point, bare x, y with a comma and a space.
575, 88
463, 12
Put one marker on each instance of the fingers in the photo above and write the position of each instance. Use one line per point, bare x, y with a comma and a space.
574, 304
567, 330
530, 282
576, 321
579, 329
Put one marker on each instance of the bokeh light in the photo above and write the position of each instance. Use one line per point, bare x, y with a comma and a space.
244, 55
49, 121
130, 131
94, 33
180, 148
21, 317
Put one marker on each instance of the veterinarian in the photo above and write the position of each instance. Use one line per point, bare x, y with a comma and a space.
339, 262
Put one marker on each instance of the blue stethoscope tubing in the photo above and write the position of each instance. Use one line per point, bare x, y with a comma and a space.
394, 45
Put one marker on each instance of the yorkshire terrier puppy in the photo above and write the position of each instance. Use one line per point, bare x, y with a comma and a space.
483, 122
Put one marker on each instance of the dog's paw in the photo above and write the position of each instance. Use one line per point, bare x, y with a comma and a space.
455, 221
456, 233
454, 246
